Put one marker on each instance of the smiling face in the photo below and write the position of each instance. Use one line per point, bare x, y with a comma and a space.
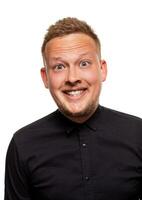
74, 74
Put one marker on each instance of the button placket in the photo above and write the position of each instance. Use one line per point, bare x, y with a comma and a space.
84, 145
83, 136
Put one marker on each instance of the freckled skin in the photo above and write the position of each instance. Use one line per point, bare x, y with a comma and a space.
73, 64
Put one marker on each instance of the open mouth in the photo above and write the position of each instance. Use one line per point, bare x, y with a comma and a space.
75, 93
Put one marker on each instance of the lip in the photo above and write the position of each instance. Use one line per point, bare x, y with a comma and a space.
75, 94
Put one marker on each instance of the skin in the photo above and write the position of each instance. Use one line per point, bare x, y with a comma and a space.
74, 74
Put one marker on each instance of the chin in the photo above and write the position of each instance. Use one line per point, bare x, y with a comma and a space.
76, 113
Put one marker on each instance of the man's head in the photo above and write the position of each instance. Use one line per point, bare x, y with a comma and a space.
73, 69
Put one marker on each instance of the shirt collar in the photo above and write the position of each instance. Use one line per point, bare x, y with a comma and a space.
95, 121
69, 126
66, 124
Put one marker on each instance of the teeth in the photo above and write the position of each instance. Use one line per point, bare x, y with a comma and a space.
75, 93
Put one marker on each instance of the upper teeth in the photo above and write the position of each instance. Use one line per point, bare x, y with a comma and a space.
75, 92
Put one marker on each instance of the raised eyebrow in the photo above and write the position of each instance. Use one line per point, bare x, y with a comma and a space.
83, 54
87, 54
57, 59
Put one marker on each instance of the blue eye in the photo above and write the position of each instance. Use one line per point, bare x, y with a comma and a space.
84, 64
59, 67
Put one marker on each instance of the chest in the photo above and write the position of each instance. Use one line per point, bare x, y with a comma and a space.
86, 166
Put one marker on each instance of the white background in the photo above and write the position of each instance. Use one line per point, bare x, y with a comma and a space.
23, 24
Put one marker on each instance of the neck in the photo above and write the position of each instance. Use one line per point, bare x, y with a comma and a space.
80, 118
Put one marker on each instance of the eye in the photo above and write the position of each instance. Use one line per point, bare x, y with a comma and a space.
59, 67
84, 63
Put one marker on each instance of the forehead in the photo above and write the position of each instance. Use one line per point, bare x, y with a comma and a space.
76, 43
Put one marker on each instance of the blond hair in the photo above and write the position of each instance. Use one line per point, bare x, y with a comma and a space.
67, 26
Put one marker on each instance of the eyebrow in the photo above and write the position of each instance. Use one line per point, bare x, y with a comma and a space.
81, 55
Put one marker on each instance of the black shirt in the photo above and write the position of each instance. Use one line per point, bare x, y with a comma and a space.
57, 159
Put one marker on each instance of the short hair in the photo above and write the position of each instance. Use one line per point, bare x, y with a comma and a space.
68, 26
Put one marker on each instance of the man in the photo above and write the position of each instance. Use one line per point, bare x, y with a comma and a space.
82, 150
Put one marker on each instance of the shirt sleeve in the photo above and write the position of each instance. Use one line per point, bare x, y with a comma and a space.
16, 180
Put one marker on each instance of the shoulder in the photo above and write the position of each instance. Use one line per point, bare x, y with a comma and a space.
121, 126
118, 114
121, 121
42, 123
38, 127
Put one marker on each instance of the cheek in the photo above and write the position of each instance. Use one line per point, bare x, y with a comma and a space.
92, 77
55, 81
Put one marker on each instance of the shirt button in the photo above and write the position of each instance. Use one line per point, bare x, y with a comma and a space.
84, 145
86, 178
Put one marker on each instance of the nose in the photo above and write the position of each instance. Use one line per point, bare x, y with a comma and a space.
73, 75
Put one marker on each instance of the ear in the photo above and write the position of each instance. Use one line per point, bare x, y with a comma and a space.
44, 77
103, 70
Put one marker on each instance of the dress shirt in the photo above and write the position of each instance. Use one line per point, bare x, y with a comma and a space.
57, 159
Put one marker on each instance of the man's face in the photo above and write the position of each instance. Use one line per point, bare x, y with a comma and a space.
74, 74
